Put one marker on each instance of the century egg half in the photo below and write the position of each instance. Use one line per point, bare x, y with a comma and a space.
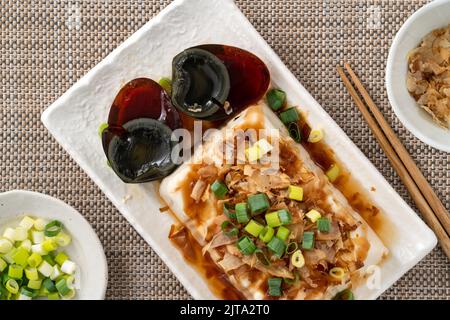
211, 82
137, 140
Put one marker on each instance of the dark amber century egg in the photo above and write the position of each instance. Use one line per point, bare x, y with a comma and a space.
212, 81
137, 140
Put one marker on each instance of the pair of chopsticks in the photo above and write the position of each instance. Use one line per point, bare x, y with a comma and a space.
432, 209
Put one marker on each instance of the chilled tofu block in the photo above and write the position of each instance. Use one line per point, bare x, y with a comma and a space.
340, 249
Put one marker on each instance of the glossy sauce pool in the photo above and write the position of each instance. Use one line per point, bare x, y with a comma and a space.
324, 157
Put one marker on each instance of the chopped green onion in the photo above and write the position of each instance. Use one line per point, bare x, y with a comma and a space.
337, 273
246, 246
297, 259
12, 286
63, 239
45, 269
5, 245
53, 296
261, 256
242, 215
333, 172
102, 127
294, 132
283, 233
284, 216
68, 267
8, 257
20, 257
53, 228
291, 247
26, 292
56, 272
323, 225
31, 273
35, 284
69, 295
346, 294
254, 228
313, 215
289, 115
308, 240
258, 203
37, 236
166, 84
49, 285
295, 193
34, 260
3, 265
37, 248
272, 219
20, 234
26, 244
266, 234
228, 211
276, 99
219, 189
61, 258
228, 228
27, 223
49, 259
62, 287
274, 285
277, 246
39, 224
9, 234
15, 271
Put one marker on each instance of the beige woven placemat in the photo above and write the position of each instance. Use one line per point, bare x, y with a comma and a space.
47, 45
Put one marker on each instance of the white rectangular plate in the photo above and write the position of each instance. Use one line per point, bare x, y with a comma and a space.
75, 117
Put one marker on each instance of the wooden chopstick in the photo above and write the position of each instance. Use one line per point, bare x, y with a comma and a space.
417, 196
425, 188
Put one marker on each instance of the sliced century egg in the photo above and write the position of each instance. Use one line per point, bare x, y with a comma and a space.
137, 140
211, 82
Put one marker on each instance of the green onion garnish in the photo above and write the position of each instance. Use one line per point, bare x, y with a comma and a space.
102, 128
219, 189
62, 287
27, 263
266, 234
291, 247
242, 215
284, 216
254, 228
261, 256
166, 84
228, 211
323, 225
258, 203
283, 233
53, 228
246, 246
49, 285
289, 115
346, 294
277, 246
274, 285
294, 132
229, 229
308, 240
276, 99
272, 219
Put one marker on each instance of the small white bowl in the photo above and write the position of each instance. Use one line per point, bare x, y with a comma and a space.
85, 249
431, 16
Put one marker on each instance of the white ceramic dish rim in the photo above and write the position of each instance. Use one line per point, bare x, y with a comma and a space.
403, 31
84, 235
366, 171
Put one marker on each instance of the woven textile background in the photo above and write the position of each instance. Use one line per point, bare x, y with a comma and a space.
46, 46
